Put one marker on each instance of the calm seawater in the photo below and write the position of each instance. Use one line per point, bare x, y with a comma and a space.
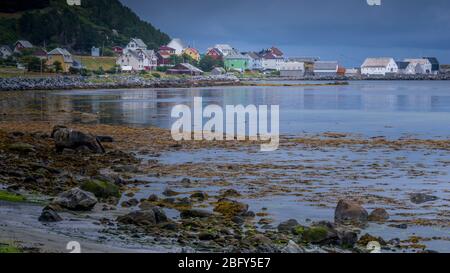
372, 108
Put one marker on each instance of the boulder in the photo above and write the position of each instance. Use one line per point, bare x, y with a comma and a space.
230, 208
348, 238
379, 215
130, 203
49, 215
350, 213
147, 217
195, 213
76, 199
292, 247
288, 226
66, 138
199, 196
420, 198
101, 189
320, 235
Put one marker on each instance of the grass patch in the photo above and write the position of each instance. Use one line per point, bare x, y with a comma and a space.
94, 63
9, 249
11, 197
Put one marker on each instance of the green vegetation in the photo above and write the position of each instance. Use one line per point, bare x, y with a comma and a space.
9, 249
95, 63
207, 63
11, 197
94, 23
101, 189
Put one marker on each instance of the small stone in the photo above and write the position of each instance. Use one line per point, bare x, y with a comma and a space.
379, 215
49, 216
195, 213
76, 199
292, 247
170, 192
288, 226
420, 198
200, 196
206, 236
130, 203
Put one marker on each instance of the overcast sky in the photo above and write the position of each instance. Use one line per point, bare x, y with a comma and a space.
343, 30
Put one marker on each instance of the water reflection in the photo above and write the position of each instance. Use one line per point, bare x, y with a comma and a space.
369, 108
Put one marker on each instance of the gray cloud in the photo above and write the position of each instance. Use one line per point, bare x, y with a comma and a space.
346, 30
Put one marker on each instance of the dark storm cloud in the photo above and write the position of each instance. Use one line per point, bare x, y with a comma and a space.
346, 30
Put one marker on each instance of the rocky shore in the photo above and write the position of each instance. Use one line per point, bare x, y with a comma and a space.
95, 172
112, 82
137, 81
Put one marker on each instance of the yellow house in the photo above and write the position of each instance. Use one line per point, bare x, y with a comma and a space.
193, 53
62, 56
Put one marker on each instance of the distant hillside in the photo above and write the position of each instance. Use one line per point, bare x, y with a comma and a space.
94, 23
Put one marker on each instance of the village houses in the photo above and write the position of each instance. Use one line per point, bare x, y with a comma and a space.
326, 68
136, 57
292, 69
236, 62
192, 53
5, 51
62, 56
254, 61
419, 66
21, 45
379, 66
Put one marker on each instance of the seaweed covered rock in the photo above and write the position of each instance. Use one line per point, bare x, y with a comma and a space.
230, 208
101, 189
66, 138
76, 199
151, 216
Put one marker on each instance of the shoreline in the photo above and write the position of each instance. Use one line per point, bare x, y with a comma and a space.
138, 82
135, 160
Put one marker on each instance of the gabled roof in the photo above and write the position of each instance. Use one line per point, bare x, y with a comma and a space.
166, 48
187, 66
61, 51
326, 65
235, 55
139, 42
377, 62
434, 63
253, 55
276, 51
270, 56
214, 50
24, 43
402, 65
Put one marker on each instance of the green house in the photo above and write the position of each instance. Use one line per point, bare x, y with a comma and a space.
237, 62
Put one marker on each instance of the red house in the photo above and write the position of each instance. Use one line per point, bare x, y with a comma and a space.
214, 53
118, 50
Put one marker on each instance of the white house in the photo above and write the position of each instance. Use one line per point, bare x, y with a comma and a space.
225, 49
254, 61
21, 45
138, 60
419, 66
5, 51
135, 44
379, 66
292, 69
178, 45
269, 61
326, 68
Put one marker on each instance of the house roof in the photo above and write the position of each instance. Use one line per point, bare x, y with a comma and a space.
306, 59
40, 52
402, 65
214, 50
235, 55
377, 62
223, 47
61, 51
326, 65
166, 48
139, 42
418, 61
187, 66
434, 63
253, 55
270, 56
24, 43
276, 51
192, 50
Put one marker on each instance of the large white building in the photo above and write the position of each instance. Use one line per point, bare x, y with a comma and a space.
292, 69
254, 61
379, 66
419, 66
225, 49
135, 44
138, 60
